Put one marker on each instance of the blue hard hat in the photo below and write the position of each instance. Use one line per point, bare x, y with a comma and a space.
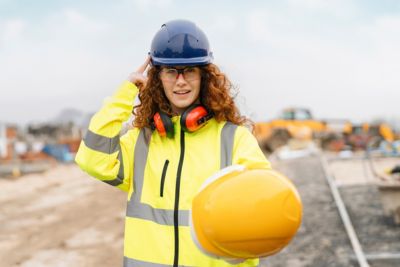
180, 42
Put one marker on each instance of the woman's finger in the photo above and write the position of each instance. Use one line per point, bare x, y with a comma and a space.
141, 81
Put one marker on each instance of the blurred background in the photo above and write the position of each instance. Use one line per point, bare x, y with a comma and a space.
318, 77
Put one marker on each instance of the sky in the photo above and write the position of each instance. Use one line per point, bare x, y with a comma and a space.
339, 58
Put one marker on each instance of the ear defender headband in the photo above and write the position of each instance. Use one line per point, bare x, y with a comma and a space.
192, 119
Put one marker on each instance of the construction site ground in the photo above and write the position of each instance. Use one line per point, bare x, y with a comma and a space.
63, 217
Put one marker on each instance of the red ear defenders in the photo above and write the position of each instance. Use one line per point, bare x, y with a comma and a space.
192, 119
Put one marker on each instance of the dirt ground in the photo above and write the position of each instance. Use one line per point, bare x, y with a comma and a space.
60, 218
360, 170
66, 218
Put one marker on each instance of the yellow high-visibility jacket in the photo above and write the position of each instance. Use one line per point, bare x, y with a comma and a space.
161, 176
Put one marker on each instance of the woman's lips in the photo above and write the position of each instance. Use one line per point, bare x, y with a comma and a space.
182, 92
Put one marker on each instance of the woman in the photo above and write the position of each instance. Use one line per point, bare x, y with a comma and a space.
186, 128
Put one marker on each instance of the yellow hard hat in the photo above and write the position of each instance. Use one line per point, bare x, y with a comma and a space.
243, 214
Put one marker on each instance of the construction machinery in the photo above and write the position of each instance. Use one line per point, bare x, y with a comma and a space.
291, 123
330, 134
369, 135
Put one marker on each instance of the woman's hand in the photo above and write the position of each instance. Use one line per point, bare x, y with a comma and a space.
138, 78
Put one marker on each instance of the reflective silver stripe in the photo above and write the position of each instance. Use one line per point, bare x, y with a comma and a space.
160, 216
140, 159
128, 262
227, 138
101, 143
135, 208
120, 177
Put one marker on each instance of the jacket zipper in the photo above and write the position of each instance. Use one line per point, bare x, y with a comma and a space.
164, 172
176, 206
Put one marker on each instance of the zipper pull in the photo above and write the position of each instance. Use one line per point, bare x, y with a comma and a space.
164, 172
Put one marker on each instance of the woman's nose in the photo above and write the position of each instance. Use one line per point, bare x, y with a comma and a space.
180, 79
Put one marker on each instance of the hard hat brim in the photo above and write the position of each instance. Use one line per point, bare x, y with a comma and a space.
195, 61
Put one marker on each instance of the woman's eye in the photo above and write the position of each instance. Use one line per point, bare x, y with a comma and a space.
170, 71
190, 70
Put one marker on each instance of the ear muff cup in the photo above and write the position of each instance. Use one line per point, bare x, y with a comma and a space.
163, 124
194, 118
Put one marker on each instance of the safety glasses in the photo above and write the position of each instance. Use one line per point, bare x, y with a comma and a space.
172, 74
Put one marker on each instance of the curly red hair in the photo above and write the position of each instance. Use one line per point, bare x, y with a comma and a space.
215, 95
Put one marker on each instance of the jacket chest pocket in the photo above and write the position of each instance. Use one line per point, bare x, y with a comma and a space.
163, 175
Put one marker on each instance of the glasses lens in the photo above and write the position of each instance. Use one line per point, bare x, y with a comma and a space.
191, 73
169, 75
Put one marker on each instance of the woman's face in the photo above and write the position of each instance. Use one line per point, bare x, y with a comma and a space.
181, 86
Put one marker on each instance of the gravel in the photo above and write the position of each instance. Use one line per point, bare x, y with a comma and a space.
322, 239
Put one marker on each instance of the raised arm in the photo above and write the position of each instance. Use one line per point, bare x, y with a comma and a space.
103, 153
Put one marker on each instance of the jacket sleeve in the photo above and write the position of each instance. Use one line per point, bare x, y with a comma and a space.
102, 153
247, 152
